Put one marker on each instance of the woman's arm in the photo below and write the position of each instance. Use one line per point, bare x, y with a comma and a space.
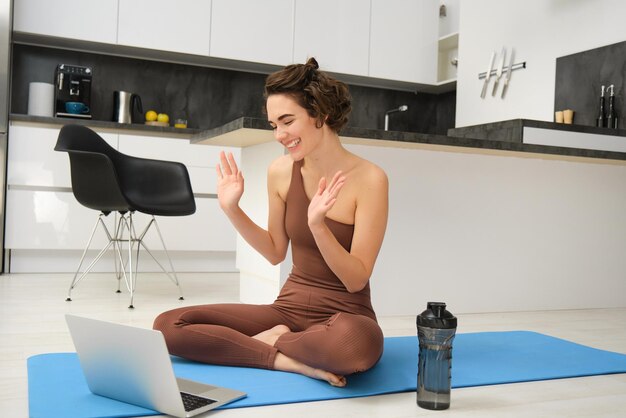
354, 268
272, 243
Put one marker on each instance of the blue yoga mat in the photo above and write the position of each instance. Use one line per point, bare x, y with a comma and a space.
57, 387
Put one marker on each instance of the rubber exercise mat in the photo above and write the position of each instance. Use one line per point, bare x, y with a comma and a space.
57, 387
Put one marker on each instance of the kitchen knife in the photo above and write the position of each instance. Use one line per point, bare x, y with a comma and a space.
488, 75
499, 72
508, 73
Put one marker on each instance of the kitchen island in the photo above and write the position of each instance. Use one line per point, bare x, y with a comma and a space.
485, 225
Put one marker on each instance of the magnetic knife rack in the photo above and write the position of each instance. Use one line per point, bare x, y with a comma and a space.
518, 66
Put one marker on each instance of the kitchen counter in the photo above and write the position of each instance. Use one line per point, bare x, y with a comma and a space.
513, 130
500, 138
106, 126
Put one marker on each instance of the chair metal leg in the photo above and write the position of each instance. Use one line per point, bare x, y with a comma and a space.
118, 260
173, 277
76, 278
126, 268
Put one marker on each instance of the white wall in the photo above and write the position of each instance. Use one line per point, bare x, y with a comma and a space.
540, 31
499, 233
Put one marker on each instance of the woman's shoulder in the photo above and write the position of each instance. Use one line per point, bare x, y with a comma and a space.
281, 166
368, 172
279, 175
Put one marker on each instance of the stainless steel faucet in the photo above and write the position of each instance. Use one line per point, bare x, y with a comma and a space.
402, 108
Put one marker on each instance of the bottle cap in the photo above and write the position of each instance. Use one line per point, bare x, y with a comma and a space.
436, 316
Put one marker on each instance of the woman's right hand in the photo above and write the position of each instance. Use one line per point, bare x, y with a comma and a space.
229, 182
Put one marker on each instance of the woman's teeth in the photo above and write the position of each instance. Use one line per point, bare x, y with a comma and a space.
293, 143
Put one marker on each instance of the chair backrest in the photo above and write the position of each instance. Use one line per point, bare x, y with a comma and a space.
108, 180
95, 182
81, 138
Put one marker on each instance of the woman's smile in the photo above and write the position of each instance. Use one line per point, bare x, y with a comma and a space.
292, 144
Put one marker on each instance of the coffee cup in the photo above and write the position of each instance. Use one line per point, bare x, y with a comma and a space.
76, 108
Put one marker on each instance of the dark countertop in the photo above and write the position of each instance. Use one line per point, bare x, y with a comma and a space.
131, 129
512, 130
498, 138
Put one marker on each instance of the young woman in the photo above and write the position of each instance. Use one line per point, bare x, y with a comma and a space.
332, 206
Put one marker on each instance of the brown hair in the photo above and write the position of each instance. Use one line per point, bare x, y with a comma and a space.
324, 98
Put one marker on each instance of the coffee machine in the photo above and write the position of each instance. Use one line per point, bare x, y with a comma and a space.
72, 84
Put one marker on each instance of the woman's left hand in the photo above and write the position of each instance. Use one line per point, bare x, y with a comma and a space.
325, 198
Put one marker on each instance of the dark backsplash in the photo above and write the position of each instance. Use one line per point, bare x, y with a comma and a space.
579, 78
209, 97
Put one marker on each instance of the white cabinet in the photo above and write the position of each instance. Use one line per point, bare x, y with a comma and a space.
183, 26
335, 33
85, 20
42, 212
403, 40
252, 30
33, 160
50, 220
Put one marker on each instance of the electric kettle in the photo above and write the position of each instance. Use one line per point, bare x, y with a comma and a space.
123, 105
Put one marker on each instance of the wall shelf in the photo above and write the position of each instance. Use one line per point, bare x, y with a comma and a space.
448, 50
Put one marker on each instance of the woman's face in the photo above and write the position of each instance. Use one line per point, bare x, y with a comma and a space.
293, 127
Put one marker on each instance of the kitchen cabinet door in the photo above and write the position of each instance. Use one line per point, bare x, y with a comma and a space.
335, 33
50, 220
252, 30
94, 21
32, 160
403, 40
181, 26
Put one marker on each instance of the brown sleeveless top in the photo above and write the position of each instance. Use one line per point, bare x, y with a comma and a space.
309, 267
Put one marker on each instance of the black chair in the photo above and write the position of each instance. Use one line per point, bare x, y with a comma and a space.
108, 181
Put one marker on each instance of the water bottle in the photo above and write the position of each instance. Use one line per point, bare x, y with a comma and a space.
435, 330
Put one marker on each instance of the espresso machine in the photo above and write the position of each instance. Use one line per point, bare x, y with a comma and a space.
72, 85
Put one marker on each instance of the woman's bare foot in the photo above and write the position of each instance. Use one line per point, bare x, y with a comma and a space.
271, 335
287, 364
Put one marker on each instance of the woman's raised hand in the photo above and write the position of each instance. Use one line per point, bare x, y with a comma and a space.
324, 198
229, 182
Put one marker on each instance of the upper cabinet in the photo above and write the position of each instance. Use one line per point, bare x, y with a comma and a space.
86, 20
335, 33
381, 43
182, 26
252, 30
403, 40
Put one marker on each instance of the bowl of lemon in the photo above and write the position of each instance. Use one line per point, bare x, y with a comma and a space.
157, 119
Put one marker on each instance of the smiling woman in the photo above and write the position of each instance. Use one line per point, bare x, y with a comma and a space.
332, 206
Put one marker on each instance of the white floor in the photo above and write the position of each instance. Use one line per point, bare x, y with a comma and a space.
31, 322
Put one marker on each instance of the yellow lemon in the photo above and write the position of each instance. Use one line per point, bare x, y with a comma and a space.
151, 115
162, 117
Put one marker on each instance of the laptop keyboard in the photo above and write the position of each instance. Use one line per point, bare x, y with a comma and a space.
193, 402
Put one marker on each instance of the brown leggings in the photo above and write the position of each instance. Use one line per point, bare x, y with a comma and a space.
341, 342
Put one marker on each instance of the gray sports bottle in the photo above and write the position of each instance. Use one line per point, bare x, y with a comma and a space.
435, 331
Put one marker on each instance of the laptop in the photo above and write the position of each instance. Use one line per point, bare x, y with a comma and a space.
132, 365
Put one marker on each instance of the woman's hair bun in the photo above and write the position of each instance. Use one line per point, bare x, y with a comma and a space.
312, 62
